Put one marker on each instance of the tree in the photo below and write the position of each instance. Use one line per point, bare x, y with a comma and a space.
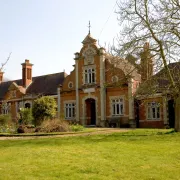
43, 108
153, 21
156, 22
3, 64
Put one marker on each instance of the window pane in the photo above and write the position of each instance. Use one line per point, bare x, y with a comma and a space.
154, 113
158, 112
66, 112
86, 78
149, 112
73, 115
70, 112
89, 78
93, 77
114, 109
121, 109
117, 106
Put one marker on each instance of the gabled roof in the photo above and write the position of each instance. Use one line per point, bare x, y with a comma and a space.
160, 82
162, 77
44, 85
123, 64
4, 86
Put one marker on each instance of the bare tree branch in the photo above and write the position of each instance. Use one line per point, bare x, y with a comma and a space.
3, 64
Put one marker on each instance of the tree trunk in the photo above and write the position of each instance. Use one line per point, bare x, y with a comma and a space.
177, 114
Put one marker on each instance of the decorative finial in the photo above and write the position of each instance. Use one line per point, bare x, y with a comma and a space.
89, 26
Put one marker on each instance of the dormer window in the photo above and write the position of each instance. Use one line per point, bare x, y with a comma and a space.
89, 75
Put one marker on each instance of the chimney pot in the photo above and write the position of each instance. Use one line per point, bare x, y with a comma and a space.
26, 61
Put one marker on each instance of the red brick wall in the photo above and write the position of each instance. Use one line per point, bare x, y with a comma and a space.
146, 123
151, 124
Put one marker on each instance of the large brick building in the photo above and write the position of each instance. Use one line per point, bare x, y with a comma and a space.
99, 91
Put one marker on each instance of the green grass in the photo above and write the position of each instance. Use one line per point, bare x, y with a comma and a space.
85, 130
137, 154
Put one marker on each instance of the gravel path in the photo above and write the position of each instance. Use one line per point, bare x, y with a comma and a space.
98, 131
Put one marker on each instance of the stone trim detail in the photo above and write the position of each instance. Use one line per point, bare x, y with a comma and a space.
77, 92
88, 55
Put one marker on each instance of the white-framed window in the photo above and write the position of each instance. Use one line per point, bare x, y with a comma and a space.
117, 106
89, 75
153, 110
6, 107
69, 110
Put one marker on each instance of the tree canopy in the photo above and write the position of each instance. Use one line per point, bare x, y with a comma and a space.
156, 22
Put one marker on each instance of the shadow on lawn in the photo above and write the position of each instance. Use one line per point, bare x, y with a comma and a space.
90, 138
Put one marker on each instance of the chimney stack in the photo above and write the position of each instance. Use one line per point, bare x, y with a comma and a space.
146, 63
26, 73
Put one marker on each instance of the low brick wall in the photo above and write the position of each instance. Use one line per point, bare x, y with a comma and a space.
151, 124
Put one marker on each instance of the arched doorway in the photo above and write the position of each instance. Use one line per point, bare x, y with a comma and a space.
171, 113
90, 111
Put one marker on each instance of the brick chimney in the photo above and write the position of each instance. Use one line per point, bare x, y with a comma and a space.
26, 73
1, 76
146, 63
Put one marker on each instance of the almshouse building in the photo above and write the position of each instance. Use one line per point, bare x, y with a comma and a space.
99, 91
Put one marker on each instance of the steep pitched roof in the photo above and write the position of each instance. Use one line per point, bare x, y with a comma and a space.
160, 82
4, 86
45, 85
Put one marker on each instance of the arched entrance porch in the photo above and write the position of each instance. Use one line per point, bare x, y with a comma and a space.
90, 105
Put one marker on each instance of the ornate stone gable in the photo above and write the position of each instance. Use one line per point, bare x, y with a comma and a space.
88, 55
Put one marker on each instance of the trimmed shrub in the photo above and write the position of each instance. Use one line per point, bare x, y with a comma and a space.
76, 127
8, 128
44, 108
53, 125
5, 119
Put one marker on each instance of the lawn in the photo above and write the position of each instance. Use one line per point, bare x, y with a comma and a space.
137, 154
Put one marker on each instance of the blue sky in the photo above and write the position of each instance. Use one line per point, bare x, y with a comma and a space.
49, 32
